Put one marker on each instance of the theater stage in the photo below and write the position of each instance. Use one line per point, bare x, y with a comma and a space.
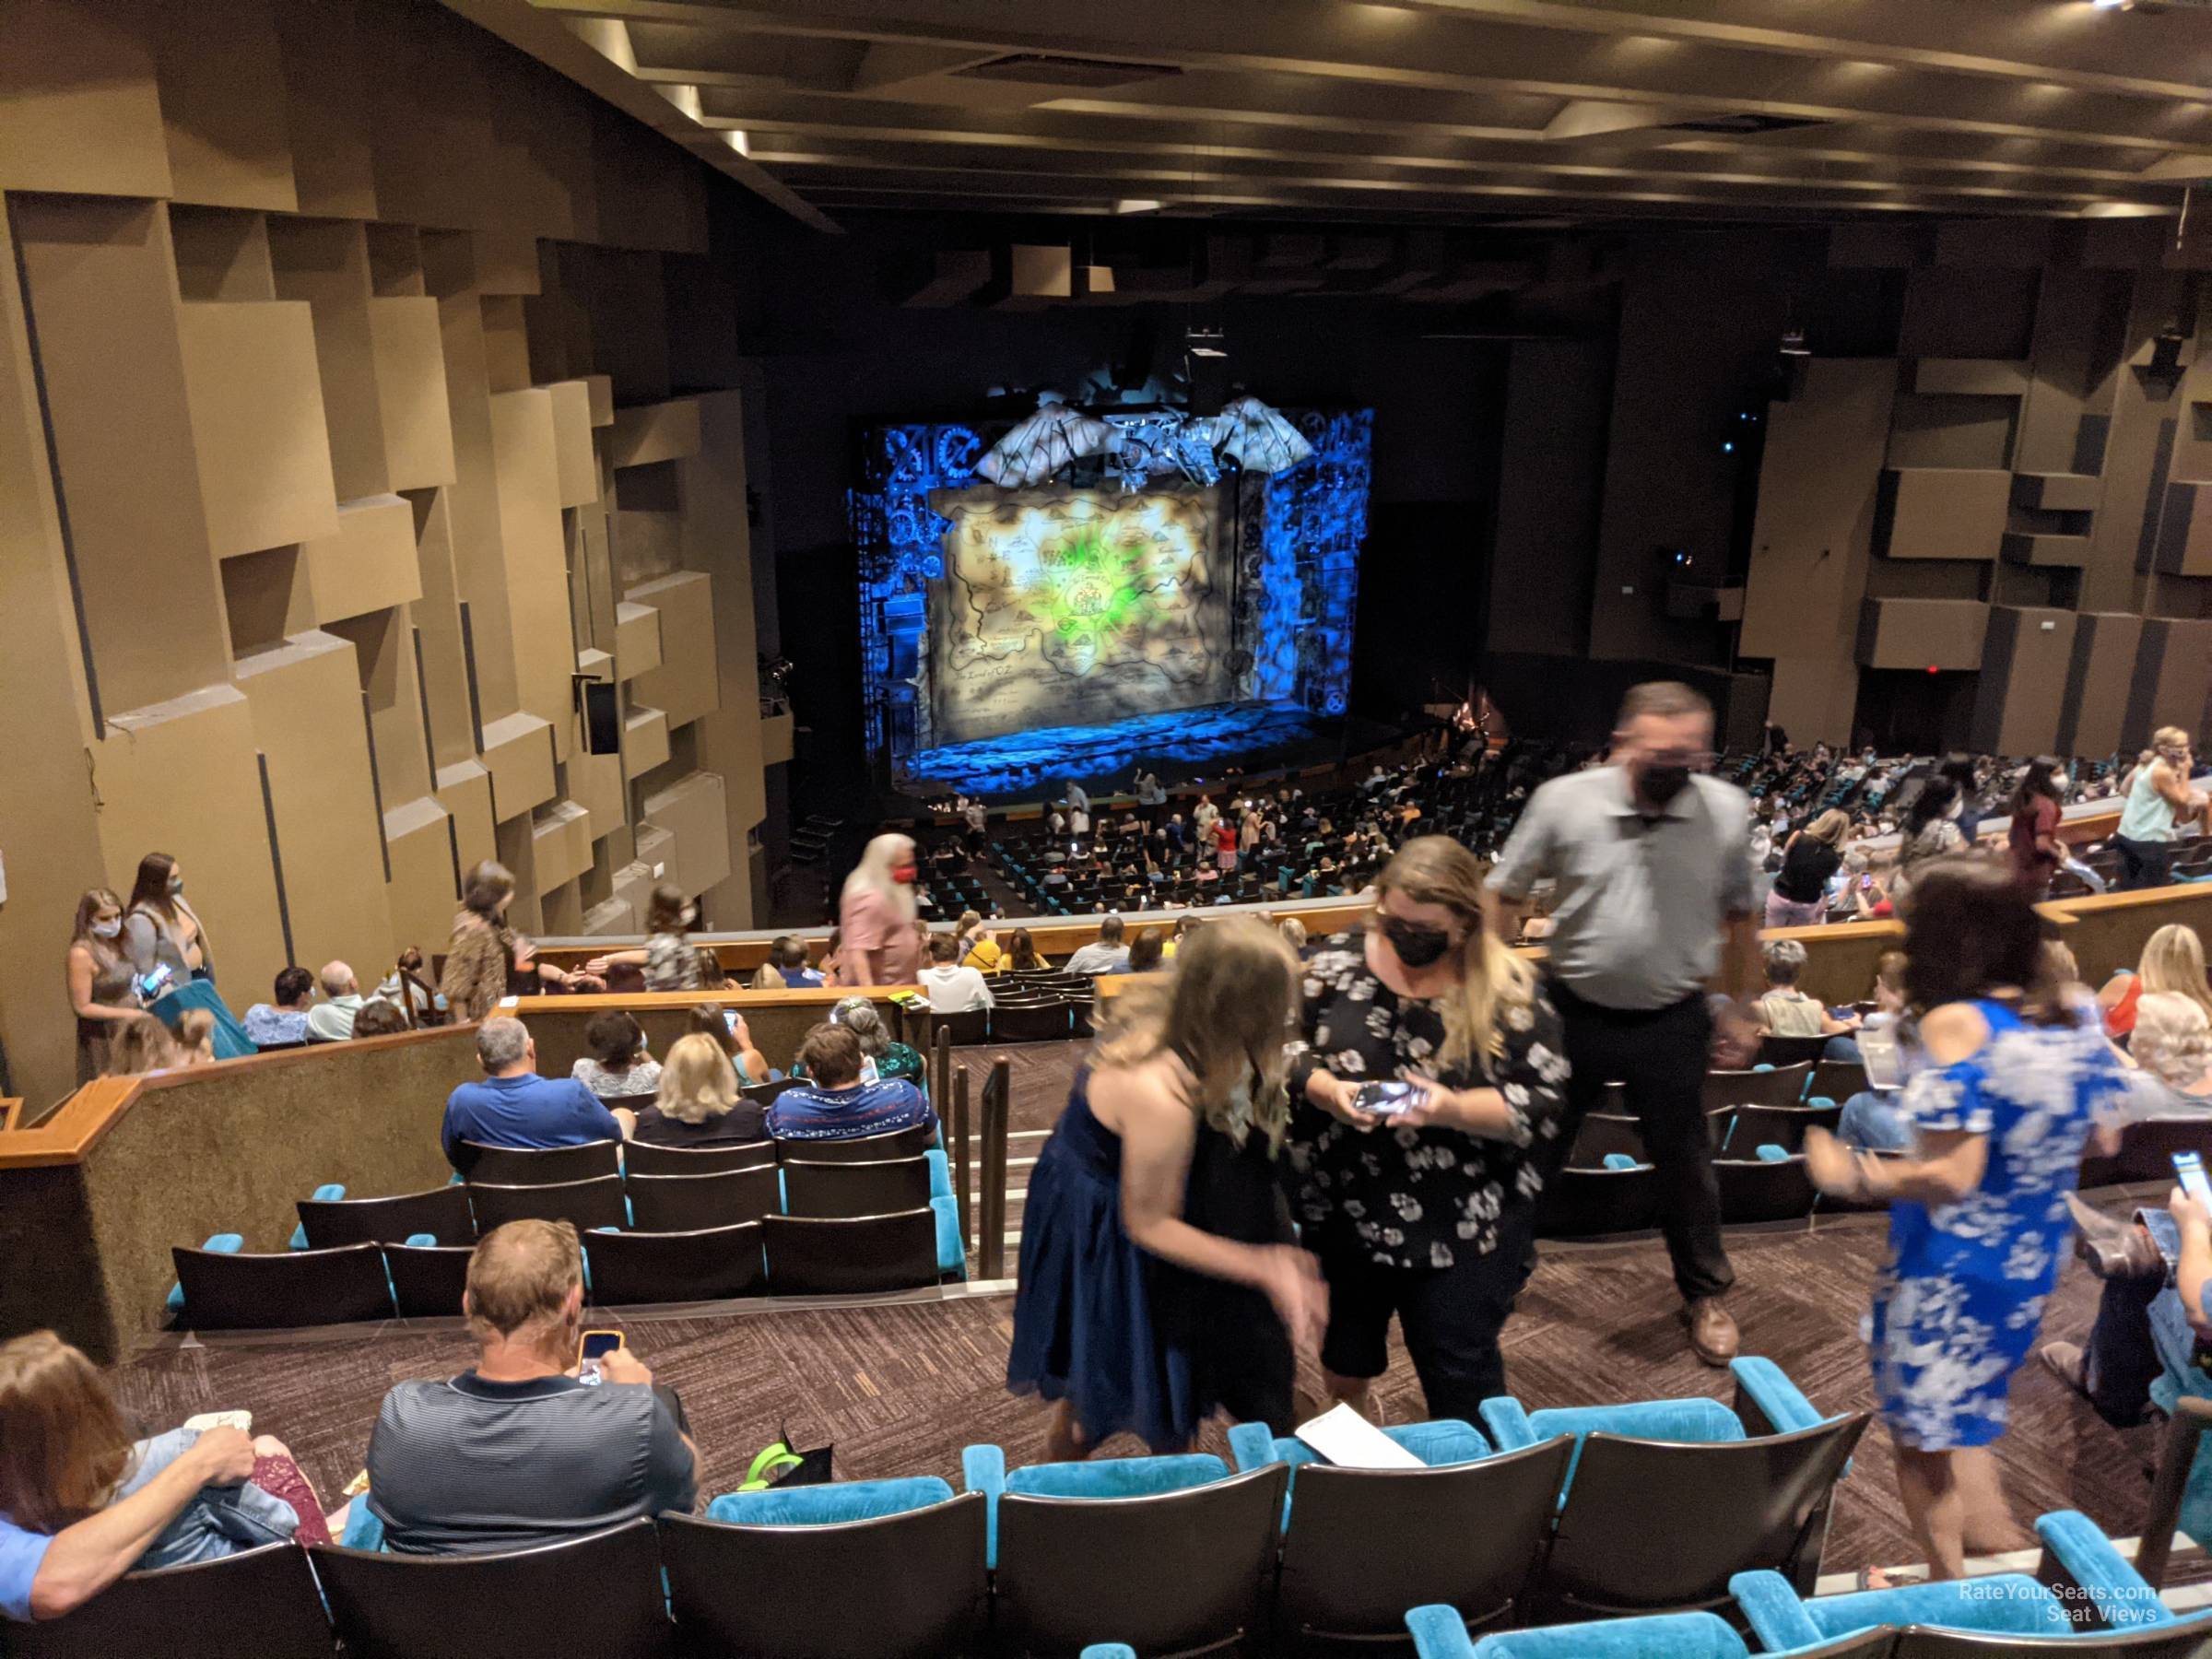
1184, 743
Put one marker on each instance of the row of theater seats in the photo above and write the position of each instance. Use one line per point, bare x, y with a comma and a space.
1535, 1516
1046, 1006
658, 1224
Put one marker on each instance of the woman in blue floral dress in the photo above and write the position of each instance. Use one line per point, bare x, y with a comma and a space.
2015, 1074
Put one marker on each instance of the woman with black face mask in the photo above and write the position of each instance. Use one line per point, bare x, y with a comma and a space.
1421, 1198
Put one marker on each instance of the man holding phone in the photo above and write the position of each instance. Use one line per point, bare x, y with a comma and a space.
521, 1450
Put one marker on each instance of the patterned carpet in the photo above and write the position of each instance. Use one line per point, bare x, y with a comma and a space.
899, 1389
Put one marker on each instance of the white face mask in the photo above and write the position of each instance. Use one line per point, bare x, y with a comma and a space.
106, 930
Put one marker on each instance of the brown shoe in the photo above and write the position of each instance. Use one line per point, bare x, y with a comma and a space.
1712, 1334
2067, 1361
2112, 1248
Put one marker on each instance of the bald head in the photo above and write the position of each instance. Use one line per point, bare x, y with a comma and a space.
336, 979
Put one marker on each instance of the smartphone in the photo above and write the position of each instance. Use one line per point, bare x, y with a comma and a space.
729, 1021
594, 1347
1384, 1099
2190, 1168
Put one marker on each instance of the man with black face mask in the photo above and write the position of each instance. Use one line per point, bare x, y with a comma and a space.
1655, 908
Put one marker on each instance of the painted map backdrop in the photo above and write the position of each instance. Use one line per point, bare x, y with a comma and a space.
1063, 606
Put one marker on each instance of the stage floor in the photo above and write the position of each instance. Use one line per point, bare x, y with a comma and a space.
1185, 743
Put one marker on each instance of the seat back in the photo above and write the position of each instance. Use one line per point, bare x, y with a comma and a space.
1778, 1087
1792, 1051
1736, 1505
862, 1149
1586, 1202
1837, 1080
425, 1281
686, 1203
1045, 1020
878, 1188
809, 1255
2191, 1639
1784, 1127
969, 1028
263, 1600
704, 1266
1755, 1189
764, 1094
522, 1166
1604, 1134
227, 1292
1365, 1544
642, 1157
1187, 1568
599, 1594
442, 1212
596, 1202
926, 1593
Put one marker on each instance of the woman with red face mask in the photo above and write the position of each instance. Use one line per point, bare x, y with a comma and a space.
875, 916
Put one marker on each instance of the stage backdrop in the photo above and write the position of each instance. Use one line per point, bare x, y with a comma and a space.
1063, 606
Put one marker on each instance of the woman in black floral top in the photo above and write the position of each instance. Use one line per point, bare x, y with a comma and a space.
1427, 1213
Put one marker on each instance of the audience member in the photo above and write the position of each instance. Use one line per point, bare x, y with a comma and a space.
484, 953
668, 960
1784, 1010
2172, 1047
2154, 1313
1294, 933
1021, 953
833, 966
331, 1021
196, 1038
1104, 955
799, 974
2158, 799
378, 1018
980, 948
282, 1021
618, 1069
160, 928
1799, 897
1930, 831
2172, 959
875, 915
735, 1038
103, 991
768, 976
141, 1044
952, 987
835, 1103
515, 1107
2032, 845
517, 1451
82, 1503
407, 989
697, 1102
1147, 951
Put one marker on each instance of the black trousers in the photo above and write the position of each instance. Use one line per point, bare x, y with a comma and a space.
1450, 1317
1660, 1055
2143, 864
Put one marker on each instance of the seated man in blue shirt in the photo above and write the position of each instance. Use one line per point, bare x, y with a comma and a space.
284, 1020
837, 1102
515, 1107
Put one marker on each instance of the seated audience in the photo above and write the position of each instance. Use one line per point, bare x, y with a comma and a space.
618, 1068
1293, 931
141, 1044
516, 1452
196, 1038
1784, 1010
1021, 953
768, 976
283, 1018
2172, 1049
667, 960
980, 948
407, 988
951, 988
890, 1059
1146, 951
378, 1018
515, 1107
1106, 955
697, 1103
735, 1038
832, 958
2172, 960
331, 1021
2154, 1314
81, 1503
798, 973
835, 1103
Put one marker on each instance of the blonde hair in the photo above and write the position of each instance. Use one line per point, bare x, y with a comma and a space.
1227, 1000
195, 1035
1435, 869
769, 977
697, 1080
2172, 1039
873, 874
2173, 960
520, 1274
1830, 828
140, 1044
64, 1446
2168, 738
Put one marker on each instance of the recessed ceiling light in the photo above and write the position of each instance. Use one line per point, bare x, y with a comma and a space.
735, 139
1137, 204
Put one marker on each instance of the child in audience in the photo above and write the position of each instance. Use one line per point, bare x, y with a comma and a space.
141, 1044
378, 1018
196, 1038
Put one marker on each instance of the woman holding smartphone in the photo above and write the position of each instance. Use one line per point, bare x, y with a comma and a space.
1429, 1069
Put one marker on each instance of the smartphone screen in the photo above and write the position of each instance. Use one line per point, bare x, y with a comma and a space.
597, 1344
729, 1021
1384, 1098
2190, 1167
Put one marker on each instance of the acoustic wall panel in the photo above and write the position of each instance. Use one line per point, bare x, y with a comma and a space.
423, 892
650, 432
257, 426
637, 639
465, 790
2022, 692
561, 839
645, 740
1947, 513
410, 390
80, 111
2097, 678
685, 685
2174, 674
536, 556
518, 752
691, 811
325, 264
1941, 634
367, 564
223, 105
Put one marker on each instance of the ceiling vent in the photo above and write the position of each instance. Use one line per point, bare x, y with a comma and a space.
1745, 122
1050, 69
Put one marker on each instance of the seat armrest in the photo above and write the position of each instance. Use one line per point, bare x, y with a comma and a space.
364, 1530
984, 1469
952, 1254
1771, 1607
422, 1240
2110, 1587
1439, 1632
940, 1173
1767, 1401
1507, 1423
1108, 1650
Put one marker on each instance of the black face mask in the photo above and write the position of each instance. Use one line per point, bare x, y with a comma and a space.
1418, 947
1660, 785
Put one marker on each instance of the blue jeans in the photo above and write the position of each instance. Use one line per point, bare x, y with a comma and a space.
1871, 1121
2141, 1330
1842, 1047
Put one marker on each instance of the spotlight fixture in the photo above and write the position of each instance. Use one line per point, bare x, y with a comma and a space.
1793, 342
1206, 342
2113, 5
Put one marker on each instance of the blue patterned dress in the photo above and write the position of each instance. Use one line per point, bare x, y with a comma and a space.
1957, 1308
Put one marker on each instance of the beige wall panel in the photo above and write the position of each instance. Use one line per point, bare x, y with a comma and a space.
423, 895
369, 565
637, 639
506, 343
2023, 685
2072, 368
560, 836
183, 778
691, 809
656, 855
326, 263
2184, 543
2097, 677
79, 107
537, 557
632, 883
410, 391
1919, 633
645, 740
309, 722
611, 917
646, 545
2021, 548
437, 622
602, 390
326, 105
223, 103
776, 732
658, 431
1811, 698
2058, 492
1969, 377
472, 503
257, 424
2173, 673
267, 597
506, 262
1818, 489
1948, 513
518, 752
595, 782
222, 253
464, 790
101, 287
384, 641
2140, 408
686, 685
579, 467
430, 102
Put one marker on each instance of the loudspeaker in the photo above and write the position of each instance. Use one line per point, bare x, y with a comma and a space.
602, 719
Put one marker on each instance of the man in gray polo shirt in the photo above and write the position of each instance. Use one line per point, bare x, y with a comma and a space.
519, 1452
1653, 886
